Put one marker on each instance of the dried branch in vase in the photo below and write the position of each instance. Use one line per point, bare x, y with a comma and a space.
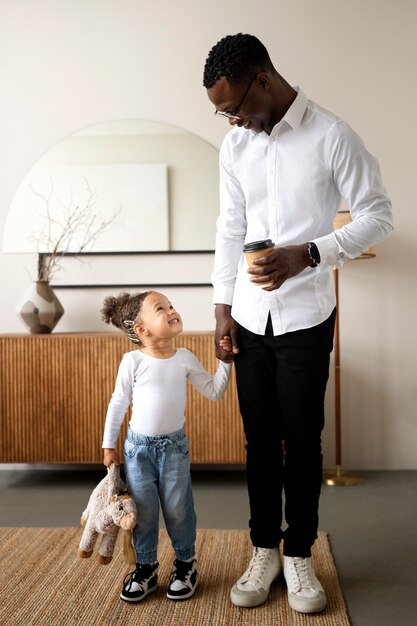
76, 231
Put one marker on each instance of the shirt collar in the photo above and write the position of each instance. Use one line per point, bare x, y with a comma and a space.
293, 116
295, 113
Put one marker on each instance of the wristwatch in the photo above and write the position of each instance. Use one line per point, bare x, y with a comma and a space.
313, 253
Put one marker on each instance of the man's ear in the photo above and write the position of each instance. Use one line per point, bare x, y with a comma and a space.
264, 81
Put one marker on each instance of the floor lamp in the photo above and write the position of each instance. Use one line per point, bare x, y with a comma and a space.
338, 477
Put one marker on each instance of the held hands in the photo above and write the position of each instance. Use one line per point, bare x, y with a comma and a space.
110, 456
226, 344
226, 335
279, 265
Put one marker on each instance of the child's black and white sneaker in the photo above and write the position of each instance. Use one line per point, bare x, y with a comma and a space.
183, 580
139, 583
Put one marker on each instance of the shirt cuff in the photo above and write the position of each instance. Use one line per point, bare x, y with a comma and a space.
222, 294
330, 252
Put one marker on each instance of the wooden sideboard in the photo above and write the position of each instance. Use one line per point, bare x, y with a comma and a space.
54, 392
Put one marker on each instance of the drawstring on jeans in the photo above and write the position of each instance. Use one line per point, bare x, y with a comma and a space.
161, 445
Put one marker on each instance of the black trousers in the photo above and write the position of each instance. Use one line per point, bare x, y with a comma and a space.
281, 383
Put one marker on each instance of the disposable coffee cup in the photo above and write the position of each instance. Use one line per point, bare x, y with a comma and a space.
255, 250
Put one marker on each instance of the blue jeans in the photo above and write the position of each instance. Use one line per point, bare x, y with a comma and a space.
158, 470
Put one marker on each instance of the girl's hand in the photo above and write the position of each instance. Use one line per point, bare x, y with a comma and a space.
110, 457
226, 343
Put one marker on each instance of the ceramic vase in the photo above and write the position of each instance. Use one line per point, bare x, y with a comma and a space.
40, 310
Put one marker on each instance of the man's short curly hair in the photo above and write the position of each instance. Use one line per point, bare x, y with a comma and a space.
236, 57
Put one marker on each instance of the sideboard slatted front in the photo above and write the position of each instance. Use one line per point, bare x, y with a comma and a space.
54, 391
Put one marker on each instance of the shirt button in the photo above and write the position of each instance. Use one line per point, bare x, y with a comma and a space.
271, 172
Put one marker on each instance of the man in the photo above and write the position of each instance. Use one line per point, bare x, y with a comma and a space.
284, 167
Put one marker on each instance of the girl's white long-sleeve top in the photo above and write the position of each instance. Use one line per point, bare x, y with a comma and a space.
157, 390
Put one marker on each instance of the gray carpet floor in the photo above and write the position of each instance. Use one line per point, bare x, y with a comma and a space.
372, 526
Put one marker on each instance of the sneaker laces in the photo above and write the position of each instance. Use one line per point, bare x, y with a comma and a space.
139, 576
257, 566
182, 572
301, 574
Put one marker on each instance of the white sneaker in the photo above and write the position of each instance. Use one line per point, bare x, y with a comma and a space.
253, 587
305, 593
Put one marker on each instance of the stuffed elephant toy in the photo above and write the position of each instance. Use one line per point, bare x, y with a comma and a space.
109, 509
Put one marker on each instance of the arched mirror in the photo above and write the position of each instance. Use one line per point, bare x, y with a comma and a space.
157, 184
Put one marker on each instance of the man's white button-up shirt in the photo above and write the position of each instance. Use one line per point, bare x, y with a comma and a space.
288, 186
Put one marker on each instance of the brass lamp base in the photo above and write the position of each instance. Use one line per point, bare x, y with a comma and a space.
340, 479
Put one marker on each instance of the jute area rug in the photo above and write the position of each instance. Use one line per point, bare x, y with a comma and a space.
43, 582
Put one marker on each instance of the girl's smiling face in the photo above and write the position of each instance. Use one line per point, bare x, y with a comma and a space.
158, 319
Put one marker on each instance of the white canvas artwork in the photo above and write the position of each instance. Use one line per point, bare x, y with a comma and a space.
134, 196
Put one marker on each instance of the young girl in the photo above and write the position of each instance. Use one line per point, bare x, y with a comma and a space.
156, 450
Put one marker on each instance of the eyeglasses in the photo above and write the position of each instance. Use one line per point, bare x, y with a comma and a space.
234, 115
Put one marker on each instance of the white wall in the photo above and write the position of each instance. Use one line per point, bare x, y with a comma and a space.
67, 65
192, 188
